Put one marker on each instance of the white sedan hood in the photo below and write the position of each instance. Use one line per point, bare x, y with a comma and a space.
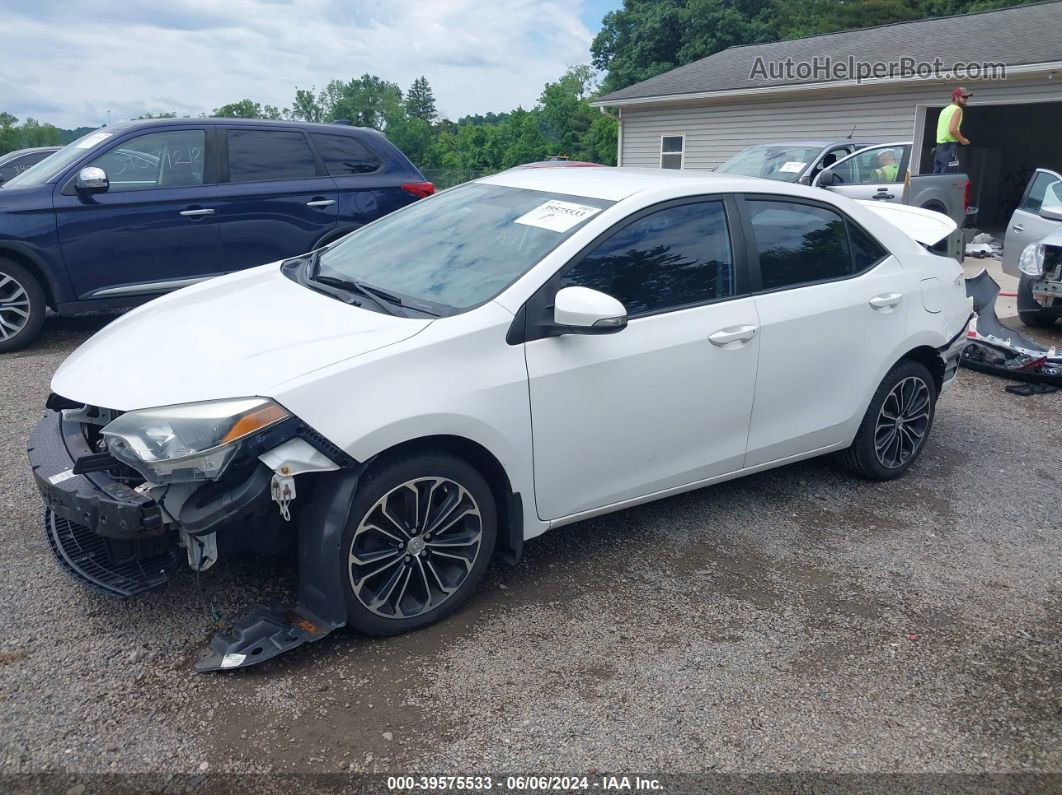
236, 336
927, 227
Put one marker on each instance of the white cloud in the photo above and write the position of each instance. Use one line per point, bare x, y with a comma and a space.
71, 63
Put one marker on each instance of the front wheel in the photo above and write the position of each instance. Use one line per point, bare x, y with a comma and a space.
419, 539
1036, 319
21, 307
894, 430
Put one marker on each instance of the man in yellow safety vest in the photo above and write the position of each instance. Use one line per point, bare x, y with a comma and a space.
949, 135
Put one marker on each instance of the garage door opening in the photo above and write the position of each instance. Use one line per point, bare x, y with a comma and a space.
1008, 143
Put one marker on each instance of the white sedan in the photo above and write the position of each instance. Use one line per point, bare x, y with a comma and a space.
507, 357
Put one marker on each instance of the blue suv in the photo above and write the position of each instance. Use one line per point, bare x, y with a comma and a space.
135, 210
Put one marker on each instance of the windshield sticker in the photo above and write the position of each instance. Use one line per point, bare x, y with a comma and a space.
92, 140
557, 216
793, 167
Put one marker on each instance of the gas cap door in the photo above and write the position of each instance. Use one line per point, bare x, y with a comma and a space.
930, 295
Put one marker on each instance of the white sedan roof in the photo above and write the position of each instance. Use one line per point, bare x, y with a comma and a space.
614, 184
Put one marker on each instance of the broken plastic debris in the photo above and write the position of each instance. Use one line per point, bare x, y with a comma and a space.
1000, 350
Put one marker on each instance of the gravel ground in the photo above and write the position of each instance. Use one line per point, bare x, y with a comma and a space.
796, 620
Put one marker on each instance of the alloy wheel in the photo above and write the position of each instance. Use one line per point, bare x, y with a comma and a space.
14, 307
903, 422
415, 547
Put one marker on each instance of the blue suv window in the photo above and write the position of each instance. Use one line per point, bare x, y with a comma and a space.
171, 159
264, 155
344, 155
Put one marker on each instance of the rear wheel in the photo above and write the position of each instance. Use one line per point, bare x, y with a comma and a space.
894, 430
421, 534
22, 306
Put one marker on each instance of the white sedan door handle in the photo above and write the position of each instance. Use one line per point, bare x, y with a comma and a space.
886, 301
321, 203
733, 334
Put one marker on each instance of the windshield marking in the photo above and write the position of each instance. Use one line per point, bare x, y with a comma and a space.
557, 215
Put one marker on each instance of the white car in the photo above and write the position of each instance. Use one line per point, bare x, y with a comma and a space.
507, 357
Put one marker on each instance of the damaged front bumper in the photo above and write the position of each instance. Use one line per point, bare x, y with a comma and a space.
106, 530
997, 349
102, 531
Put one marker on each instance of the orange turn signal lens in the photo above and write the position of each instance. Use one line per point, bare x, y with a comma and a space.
254, 421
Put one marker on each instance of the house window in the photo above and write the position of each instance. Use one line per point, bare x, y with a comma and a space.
671, 150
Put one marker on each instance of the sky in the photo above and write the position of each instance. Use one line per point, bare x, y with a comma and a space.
69, 63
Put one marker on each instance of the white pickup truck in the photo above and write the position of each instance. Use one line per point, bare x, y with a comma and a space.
869, 171
880, 172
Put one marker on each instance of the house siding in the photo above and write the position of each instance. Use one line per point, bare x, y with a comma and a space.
717, 130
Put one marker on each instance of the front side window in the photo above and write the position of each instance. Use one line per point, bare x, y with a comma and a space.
344, 155
266, 155
171, 159
671, 258
460, 248
1034, 197
799, 243
875, 166
672, 150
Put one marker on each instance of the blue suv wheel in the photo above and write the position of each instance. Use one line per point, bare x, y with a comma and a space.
21, 306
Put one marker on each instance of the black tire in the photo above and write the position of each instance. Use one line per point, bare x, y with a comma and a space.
20, 292
864, 457
1037, 319
425, 566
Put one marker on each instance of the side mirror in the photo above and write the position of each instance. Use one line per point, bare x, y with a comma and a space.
1051, 213
92, 180
580, 310
825, 178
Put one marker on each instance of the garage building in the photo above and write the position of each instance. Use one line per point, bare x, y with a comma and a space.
701, 114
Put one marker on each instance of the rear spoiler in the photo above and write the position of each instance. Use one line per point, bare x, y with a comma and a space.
927, 227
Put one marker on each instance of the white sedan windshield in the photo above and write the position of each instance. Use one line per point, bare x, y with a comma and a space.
462, 247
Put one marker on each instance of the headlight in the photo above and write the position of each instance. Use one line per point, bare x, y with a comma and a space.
1031, 261
193, 441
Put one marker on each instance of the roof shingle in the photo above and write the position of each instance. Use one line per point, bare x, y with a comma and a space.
1018, 35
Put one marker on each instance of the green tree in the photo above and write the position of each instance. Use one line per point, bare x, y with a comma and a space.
420, 101
36, 134
366, 101
566, 113
306, 106
523, 139
10, 138
244, 109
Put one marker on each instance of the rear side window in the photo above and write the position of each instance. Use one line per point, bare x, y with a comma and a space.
866, 251
344, 155
264, 155
671, 258
799, 243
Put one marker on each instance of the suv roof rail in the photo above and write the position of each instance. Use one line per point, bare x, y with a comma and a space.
342, 121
